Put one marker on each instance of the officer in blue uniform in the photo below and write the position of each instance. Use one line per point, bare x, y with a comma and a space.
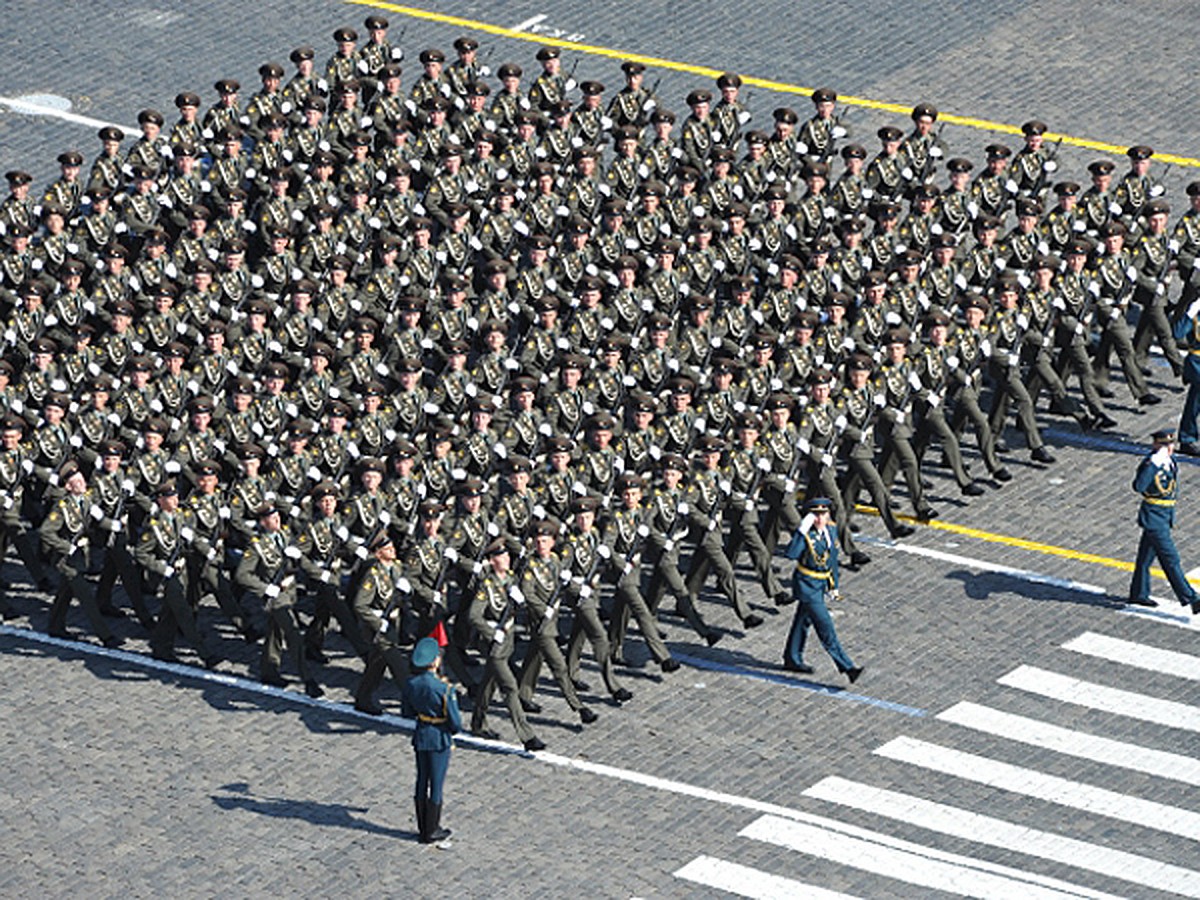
430, 700
814, 548
1187, 333
1157, 480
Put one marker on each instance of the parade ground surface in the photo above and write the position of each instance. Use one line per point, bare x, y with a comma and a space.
1017, 731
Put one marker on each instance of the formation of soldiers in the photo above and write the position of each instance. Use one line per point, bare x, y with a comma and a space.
484, 352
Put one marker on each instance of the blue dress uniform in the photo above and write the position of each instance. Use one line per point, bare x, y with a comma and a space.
816, 555
430, 700
1187, 332
1157, 480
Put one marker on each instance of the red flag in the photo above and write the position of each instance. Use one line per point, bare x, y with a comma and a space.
439, 634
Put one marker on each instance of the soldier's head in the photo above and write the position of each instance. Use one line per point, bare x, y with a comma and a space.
1164, 439
383, 547
583, 510
519, 472
673, 466
545, 535
551, 60
630, 487
167, 496
1113, 234
111, 453
923, 116
269, 519
708, 451
779, 409
820, 386
747, 429
559, 450
207, 472
470, 495
431, 512
498, 556
371, 474
600, 430
11, 431
1034, 132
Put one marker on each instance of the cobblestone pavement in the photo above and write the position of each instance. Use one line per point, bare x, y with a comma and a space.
123, 778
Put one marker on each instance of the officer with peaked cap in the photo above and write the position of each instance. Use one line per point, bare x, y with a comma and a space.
814, 548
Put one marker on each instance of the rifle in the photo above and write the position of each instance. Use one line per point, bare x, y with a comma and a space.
928, 166
1040, 184
118, 514
831, 143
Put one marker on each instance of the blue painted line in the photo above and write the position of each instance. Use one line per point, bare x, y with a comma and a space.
1111, 444
800, 684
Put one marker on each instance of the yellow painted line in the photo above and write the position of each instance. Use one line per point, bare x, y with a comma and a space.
1023, 543
765, 83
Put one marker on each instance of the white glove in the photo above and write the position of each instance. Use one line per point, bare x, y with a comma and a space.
169, 572
272, 591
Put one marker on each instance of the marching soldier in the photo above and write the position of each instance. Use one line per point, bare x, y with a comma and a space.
268, 570
493, 617
66, 536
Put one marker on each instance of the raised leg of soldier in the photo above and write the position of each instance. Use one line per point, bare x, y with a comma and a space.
745, 528
900, 454
501, 673
1044, 374
936, 427
863, 472
545, 648
586, 626
77, 587
1153, 325
711, 546
1123, 345
967, 409
176, 616
630, 598
1074, 361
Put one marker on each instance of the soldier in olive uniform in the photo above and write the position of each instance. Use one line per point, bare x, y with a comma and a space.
160, 552
707, 494
268, 571
113, 491
15, 475
493, 617
379, 605
625, 531
543, 584
67, 536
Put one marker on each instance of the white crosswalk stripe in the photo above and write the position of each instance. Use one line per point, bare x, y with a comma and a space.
1125, 869
909, 862
1074, 743
994, 832
744, 881
1129, 653
1107, 699
1051, 788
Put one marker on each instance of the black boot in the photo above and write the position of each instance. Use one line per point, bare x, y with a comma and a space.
433, 822
422, 827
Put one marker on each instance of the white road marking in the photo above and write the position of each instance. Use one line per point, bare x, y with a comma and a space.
1074, 743
1107, 699
529, 23
1181, 619
970, 826
983, 565
744, 881
1051, 788
1140, 656
29, 108
911, 863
